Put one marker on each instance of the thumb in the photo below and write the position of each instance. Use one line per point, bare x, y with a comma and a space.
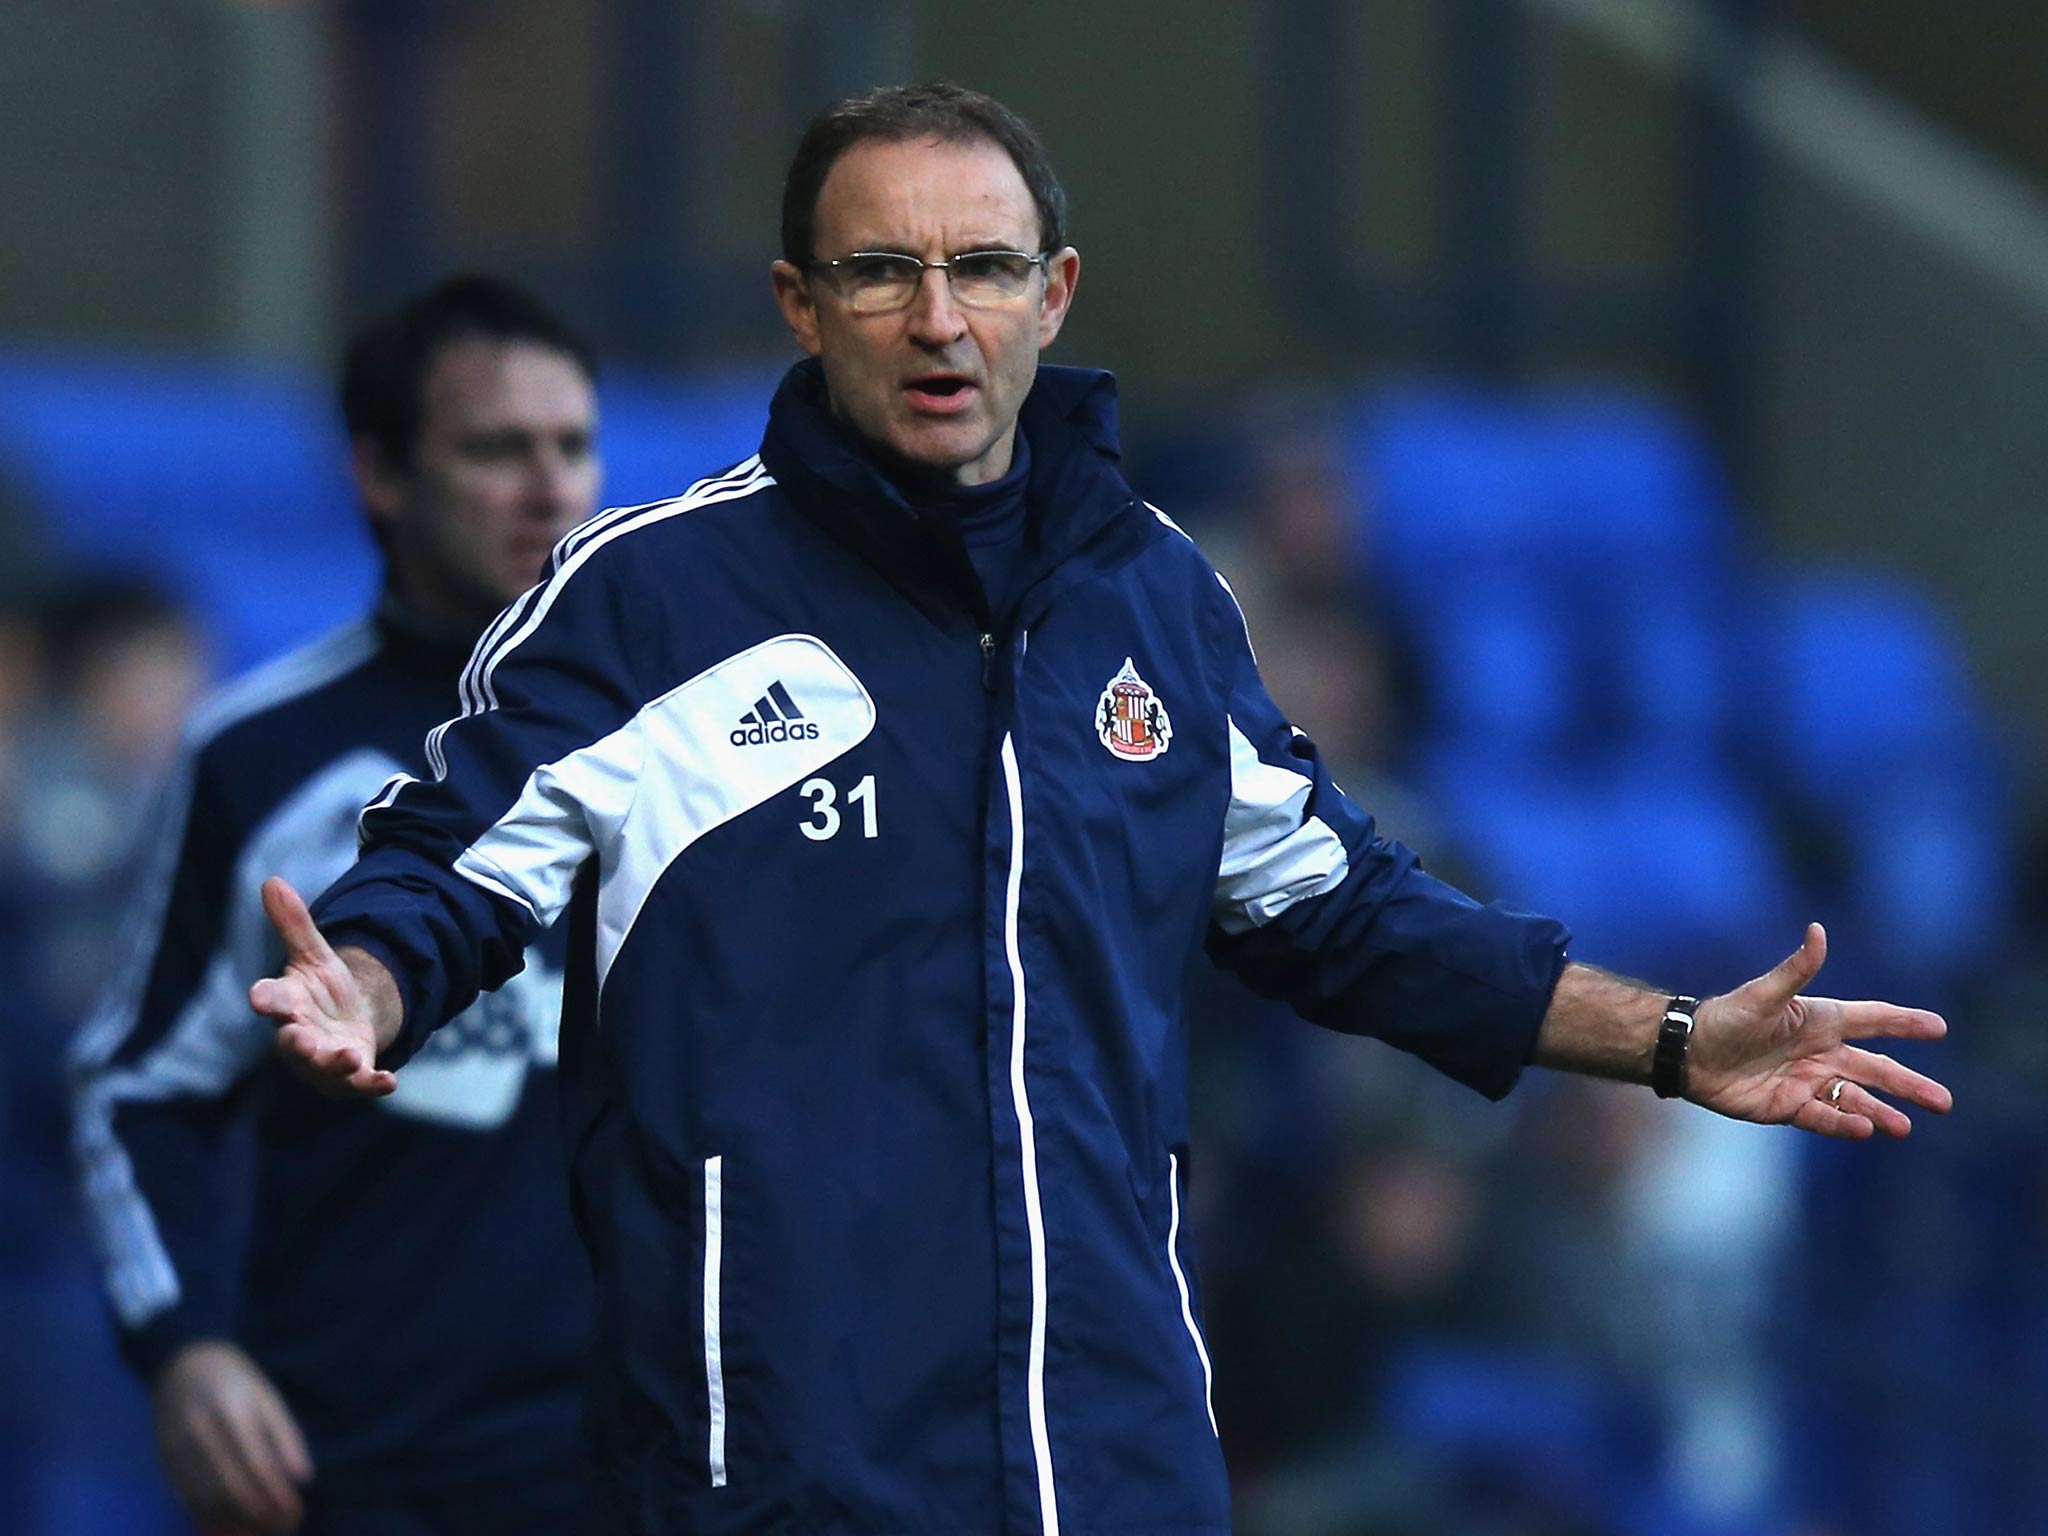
1796, 971
288, 914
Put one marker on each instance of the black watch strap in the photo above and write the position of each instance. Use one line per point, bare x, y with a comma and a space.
1674, 1040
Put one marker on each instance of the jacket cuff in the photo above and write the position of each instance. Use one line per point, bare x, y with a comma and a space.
146, 1350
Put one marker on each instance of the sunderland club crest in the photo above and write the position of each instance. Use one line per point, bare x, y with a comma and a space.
1130, 720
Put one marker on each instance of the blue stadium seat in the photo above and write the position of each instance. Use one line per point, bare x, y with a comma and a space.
1630, 488
1560, 565
1499, 668
227, 483
1658, 869
662, 433
230, 483
1543, 1425
1666, 656
1448, 490
1593, 492
131, 457
1858, 681
1931, 871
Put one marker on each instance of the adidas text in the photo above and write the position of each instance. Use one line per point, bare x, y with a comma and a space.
780, 730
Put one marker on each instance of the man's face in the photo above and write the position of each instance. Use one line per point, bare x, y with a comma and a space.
937, 385
504, 465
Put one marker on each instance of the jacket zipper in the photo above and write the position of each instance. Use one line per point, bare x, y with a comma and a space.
988, 662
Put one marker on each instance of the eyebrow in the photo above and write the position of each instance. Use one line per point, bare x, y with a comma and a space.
898, 248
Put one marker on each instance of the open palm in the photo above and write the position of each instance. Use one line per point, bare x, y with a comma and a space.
325, 1029
1766, 1053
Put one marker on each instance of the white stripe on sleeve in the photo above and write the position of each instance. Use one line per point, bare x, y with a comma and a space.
1274, 853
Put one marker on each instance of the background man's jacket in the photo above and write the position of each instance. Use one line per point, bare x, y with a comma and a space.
405, 1271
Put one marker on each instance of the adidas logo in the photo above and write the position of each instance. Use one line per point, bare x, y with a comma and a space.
774, 717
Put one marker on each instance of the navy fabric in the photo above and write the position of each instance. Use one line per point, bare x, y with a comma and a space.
993, 520
544, 1500
409, 1277
909, 1093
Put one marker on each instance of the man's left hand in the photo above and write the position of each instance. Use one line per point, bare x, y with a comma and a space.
1767, 1053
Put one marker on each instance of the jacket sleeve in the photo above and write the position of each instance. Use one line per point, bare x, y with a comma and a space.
458, 873
159, 1073
1313, 908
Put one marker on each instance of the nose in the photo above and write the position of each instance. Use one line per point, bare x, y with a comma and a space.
935, 318
556, 481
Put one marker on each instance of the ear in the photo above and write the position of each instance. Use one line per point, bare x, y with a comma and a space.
380, 483
799, 309
1062, 273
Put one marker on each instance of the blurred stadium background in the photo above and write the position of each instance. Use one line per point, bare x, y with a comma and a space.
1615, 416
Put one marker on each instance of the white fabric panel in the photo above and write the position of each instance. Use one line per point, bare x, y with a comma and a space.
693, 778
565, 811
1274, 853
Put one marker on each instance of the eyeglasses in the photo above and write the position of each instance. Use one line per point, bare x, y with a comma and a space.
877, 282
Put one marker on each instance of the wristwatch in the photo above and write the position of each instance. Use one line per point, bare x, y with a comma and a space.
1674, 1039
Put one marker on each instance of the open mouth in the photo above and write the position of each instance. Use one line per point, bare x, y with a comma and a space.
941, 386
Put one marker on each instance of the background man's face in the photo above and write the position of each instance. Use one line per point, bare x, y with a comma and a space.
935, 385
505, 464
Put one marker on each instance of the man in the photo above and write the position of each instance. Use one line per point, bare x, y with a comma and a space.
363, 1317
883, 871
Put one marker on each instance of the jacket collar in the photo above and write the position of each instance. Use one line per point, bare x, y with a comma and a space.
421, 639
1073, 494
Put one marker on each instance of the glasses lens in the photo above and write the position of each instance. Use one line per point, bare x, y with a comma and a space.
878, 282
990, 277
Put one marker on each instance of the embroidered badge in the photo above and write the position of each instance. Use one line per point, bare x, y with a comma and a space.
1130, 720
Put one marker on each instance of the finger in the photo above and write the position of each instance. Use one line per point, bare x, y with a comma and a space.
249, 1437
294, 923
197, 1482
310, 1046
352, 1070
239, 1497
287, 1441
305, 1048
338, 1071
279, 997
1823, 1119
1873, 1070
1862, 1021
1796, 971
1885, 1118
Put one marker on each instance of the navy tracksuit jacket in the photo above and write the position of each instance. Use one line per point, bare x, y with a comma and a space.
228, 1200
880, 911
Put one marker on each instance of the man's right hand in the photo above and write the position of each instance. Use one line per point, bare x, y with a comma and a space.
229, 1444
334, 1012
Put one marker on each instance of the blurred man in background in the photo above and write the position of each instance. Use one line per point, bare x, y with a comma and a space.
320, 1363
